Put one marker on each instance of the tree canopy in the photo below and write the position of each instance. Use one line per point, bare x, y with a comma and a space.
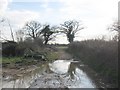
48, 33
33, 29
70, 28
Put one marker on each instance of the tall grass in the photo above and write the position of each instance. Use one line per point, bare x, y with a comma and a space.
100, 55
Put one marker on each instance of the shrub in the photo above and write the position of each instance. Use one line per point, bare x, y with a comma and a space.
9, 48
100, 55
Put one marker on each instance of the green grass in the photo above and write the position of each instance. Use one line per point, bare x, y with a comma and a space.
11, 59
52, 56
62, 47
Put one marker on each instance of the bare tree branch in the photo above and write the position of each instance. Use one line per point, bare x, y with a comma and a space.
33, 28
70, 28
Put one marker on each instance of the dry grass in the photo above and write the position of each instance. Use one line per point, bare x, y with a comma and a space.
100, 55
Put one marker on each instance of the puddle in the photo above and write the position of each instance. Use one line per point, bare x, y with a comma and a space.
60, 73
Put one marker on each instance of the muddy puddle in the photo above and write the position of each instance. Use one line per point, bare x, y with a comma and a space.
57, 74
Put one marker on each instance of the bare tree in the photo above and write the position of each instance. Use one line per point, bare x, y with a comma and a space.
48, 33
115, 27
33, 29
70, 28
20, 35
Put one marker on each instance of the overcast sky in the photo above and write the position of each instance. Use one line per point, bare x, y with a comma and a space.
96, 15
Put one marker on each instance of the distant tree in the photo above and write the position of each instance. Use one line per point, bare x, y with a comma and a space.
115, 27
48, 33
20, 35
70, 28
33, 29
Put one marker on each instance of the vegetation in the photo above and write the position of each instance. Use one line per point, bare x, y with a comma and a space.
37, 30
11, 59
52, 56
70, 28
100, 55
36, 40
18, 62
27, 52
33, 29
48, 33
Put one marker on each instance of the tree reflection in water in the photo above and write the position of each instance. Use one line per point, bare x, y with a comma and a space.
71, 70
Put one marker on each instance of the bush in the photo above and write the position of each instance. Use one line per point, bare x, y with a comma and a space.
9, 48
100, 55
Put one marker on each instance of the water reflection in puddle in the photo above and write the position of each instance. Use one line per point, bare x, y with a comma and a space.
59, 66
71, 76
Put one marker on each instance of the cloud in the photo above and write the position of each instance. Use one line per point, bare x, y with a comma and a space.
17, 19
4, 6
95, 14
